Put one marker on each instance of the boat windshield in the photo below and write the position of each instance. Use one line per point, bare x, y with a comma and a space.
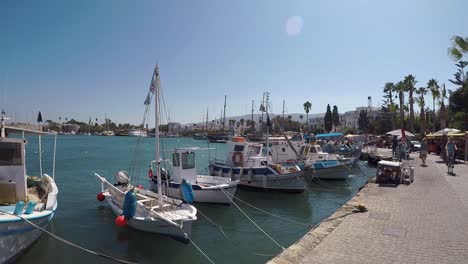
188, 160
175, 159
10, 154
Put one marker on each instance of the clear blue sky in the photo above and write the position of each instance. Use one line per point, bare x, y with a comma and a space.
95, 57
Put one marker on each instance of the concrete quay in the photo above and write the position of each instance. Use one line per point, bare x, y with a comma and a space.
425, 222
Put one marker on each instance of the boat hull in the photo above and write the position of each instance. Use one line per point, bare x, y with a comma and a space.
18, 236
154, 225
338, 171
201, 194
264, 179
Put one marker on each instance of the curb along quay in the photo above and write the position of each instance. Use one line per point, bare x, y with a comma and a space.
425, 222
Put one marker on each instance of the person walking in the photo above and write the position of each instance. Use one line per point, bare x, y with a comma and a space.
423, 151
450, 149
394, 146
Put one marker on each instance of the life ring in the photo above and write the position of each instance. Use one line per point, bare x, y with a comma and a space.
238, 159
150, 173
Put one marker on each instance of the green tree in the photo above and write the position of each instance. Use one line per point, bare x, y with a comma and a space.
301, 117
328, 119
410, 82
422, 91
433, 87
335, 117
400, 88
389, 88
307, 106
363, 121
443, 113
459, 48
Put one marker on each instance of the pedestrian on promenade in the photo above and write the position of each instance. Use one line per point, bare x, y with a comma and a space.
394, 146
450, 149
423, 152
402, 150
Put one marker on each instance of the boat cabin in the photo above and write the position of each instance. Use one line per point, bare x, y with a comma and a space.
13, 185
244, 154
282, 151
183, 162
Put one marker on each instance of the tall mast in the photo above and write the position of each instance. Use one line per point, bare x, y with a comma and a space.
263, 104
155, 83
252, 113
224, 112
283, 114
267, 135
206, 125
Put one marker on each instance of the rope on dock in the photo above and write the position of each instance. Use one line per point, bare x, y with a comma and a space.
253, 222
68, 242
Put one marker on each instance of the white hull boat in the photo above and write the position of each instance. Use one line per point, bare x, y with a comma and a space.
206, 189
21, 196
137, 133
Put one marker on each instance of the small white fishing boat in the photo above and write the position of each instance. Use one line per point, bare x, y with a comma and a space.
23, 197
245, 162
206, 189
143, 209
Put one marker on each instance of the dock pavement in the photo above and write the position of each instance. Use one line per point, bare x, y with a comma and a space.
425, 222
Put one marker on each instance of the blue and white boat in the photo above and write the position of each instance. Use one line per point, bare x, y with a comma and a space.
245, 162
311, 158
22, 197
206, 189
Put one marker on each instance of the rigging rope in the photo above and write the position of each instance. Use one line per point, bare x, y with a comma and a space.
253, 221
68, 242
199, 249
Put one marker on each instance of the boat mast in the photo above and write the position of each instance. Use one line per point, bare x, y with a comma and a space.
224, 112
155, 84
2, 124
267, 135
263, 103
283, 114
206, 125
252, 114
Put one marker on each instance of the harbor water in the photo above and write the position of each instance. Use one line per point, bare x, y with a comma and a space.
83, 220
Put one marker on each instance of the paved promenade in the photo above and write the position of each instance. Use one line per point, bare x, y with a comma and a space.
425, 222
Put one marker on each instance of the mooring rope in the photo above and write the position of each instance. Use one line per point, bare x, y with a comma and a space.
215, 224
253, 222
68, 242
199, 249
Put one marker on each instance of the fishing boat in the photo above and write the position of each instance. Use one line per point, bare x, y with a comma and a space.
146, 210
312, 159
244, 162
137, 133
206, 189
24, 198
199, 136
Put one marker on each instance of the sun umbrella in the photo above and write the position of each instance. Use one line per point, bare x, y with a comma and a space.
398, 133
445, 131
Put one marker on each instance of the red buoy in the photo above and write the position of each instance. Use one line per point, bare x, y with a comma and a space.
120, 221
101, 197
139, 186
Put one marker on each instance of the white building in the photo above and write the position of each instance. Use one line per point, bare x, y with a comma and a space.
173, 127
316, 123
350, 118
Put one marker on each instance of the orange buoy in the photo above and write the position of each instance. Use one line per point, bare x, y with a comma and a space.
120, 221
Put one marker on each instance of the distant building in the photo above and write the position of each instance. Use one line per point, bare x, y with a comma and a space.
350, 118
173, 127
317, 123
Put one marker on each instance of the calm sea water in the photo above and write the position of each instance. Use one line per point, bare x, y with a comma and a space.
85, 221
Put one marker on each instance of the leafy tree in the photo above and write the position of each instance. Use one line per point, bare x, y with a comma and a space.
307, 106
300, 117
458, 101
400, 88
433, 87
328, 119
443, 113
363, 121
335, 117
389, 88
459, 48
421, 91
410, 82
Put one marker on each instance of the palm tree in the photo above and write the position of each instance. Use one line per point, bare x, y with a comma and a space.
400, 88
433, 87
422, 91
443, 114
410, 82
389, 88
307, 107
459, 48
300, 117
